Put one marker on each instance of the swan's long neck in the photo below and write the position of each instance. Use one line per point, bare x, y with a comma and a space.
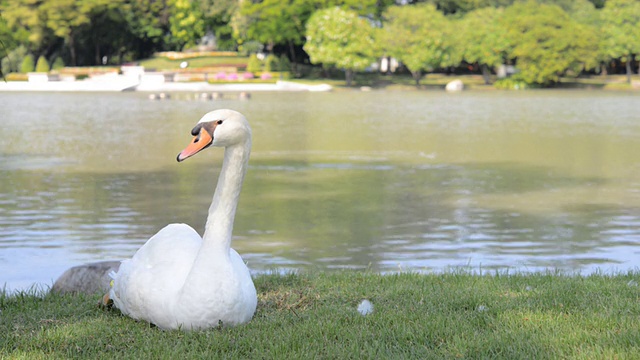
219, 226
213, 257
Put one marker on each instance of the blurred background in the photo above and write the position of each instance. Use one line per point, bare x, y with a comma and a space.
387, 172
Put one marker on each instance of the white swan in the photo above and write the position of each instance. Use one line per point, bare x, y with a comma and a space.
178, 280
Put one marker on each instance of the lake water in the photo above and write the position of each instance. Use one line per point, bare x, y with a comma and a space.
387, 181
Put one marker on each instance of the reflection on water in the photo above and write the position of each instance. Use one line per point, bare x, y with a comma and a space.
414, 181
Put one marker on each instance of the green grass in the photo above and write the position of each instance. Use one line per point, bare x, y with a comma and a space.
163, 63
308, 316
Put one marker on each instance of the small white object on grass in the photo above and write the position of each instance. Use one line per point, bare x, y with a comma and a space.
365, 307
482, 308
632, 283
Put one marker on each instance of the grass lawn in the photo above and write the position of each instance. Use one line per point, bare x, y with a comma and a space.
306, 316
163, 63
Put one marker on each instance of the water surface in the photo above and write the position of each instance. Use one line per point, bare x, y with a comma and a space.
388, 181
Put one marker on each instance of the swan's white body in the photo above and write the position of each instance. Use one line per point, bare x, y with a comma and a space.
178, 280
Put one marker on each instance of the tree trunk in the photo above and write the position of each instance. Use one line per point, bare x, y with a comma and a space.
349, 76
294, 65
603, 69
416, 76
98, 57
486, 74
72, 49
629, 59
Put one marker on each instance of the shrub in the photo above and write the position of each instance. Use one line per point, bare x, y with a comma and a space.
285, 64
13, 61
58, 64
42, 65
254, 64
27, 64
271, 63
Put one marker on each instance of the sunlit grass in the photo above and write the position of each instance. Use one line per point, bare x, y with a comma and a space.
451, 315
163, 63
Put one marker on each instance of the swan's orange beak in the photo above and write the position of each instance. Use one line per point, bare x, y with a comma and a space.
199, 142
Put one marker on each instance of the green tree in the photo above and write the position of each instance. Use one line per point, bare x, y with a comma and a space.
418, 37
42, 65
27, 64
546, 42
64, 17
275, 22
27, 22
186, 22
341, 38
483, 39
219, 15
147, 21
621, 30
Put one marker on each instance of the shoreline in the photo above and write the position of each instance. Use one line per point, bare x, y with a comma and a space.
129, 84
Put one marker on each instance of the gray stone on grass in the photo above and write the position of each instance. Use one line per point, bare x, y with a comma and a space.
87, 279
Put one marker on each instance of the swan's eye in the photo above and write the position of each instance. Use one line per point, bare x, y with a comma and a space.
220, 122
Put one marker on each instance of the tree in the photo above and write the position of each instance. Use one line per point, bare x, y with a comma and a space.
275, 22
417, 36
546, 42
27, 22
147, 21
186, 22
63, 18
484, 40
341, 38
219, 16
621, 30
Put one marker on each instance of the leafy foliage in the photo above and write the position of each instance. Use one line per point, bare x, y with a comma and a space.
13, 61
42, 65
28, 64
621, 30
271, 63
254, 64
58, 64
484, 39
418, 36
186, 23
546, 42
340, 38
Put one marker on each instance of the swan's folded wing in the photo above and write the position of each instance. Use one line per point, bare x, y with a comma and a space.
157, 271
